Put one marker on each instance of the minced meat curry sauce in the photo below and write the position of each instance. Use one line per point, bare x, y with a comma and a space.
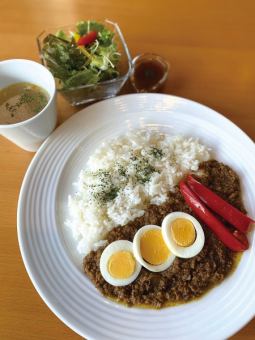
185, 279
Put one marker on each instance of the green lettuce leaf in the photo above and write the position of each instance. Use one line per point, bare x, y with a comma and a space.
81, 78
74, 66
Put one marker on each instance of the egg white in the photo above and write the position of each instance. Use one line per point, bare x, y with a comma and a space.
120, 245
138, 255
183, 252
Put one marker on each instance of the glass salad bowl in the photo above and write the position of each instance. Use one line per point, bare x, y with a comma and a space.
97, 90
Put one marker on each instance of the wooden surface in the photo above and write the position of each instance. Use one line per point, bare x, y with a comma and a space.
211, 48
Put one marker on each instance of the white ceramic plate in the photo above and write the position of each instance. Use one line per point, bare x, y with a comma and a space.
48, 250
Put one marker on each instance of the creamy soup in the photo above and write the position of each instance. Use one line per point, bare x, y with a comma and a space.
21, 101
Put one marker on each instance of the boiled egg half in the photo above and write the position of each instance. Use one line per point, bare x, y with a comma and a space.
150, 249
118, 265
183, 234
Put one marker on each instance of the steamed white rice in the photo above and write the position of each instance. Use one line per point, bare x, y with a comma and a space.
123, 177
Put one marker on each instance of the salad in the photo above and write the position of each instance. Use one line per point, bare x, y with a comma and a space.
86, 56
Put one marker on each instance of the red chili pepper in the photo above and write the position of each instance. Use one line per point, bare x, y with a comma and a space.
241, 237
229, 239
220, 206
87, 39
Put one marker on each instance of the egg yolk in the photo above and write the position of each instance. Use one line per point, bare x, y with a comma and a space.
183, 232
121, 265
153, 248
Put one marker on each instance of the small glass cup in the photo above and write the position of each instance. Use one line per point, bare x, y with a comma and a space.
146, 67
102, 90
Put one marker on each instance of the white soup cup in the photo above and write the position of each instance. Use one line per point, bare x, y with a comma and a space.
29, 134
